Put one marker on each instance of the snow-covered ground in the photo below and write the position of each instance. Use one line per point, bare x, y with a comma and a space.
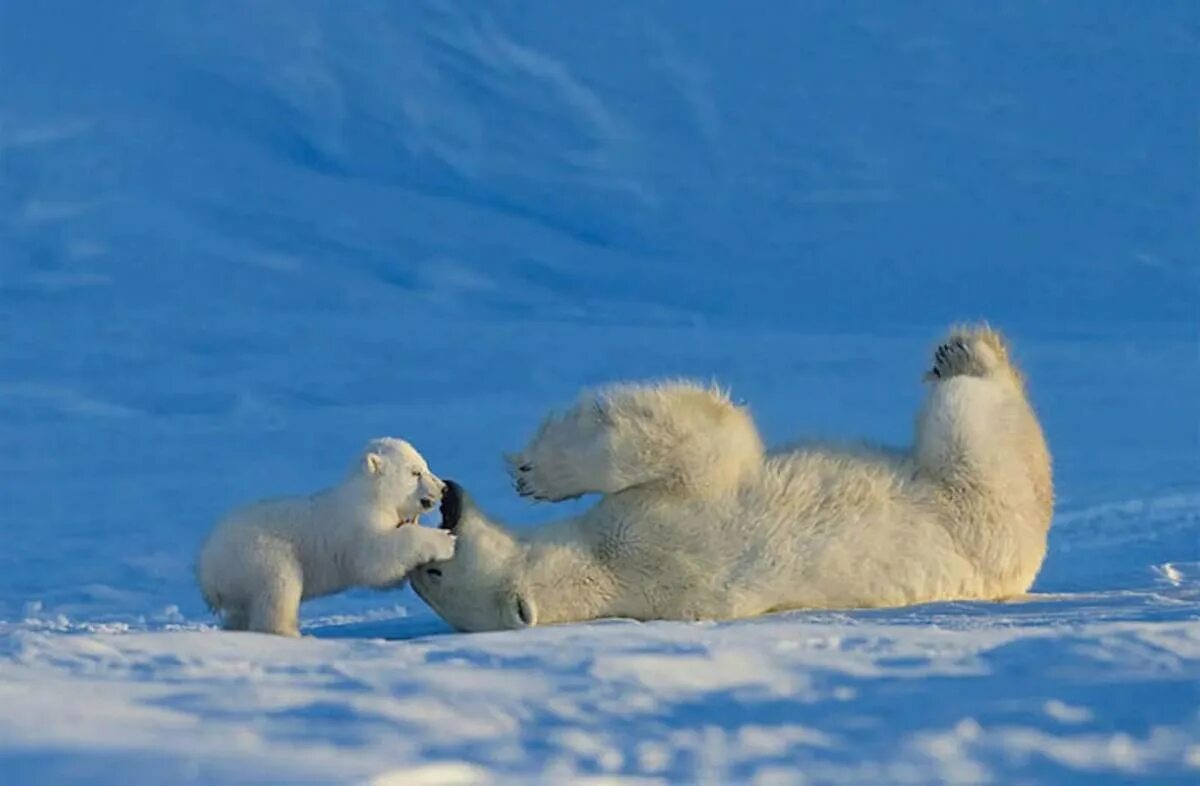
239, 239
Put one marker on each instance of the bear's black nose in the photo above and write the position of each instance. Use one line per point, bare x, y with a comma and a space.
452, 505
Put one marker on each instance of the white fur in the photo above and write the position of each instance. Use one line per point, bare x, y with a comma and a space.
263, 559
696, 521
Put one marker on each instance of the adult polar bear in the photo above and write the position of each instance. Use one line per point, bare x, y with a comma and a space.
696, 521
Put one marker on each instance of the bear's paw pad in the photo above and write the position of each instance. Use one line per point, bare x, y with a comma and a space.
972, 352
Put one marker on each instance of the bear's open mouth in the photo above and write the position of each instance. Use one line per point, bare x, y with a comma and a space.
406, 520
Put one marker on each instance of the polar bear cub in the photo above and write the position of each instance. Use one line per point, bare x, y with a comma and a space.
263, 559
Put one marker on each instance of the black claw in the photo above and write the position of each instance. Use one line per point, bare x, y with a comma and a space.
523, 488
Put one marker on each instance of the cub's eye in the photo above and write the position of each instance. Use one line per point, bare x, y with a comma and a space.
417, 473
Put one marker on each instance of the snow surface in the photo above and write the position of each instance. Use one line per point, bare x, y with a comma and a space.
239, 239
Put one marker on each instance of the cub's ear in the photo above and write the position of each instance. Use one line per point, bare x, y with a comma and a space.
372, 463
520, 611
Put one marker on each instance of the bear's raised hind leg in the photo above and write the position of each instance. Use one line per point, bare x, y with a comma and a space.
977, 432
979, 443
964, 425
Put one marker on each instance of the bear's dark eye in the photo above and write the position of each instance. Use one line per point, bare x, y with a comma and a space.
417, 473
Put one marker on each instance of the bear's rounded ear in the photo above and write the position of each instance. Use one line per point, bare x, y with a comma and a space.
521, 611
372, 463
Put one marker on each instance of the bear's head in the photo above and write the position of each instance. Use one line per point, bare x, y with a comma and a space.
398, 479
479, 588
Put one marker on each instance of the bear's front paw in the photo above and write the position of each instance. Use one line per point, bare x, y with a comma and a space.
973, 352
520, 469
531, 480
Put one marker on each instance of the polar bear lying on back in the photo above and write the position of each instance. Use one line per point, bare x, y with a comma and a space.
263, 559
697, 521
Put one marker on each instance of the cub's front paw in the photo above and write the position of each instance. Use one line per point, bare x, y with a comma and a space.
434, 545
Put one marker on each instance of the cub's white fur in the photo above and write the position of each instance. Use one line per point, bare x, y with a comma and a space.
697, 521
263, 559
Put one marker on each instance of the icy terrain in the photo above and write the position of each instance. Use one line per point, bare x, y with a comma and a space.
239, 239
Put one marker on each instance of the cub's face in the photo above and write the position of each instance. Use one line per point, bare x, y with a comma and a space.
401, 479
476, 590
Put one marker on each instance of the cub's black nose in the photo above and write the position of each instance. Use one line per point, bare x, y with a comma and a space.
452, 505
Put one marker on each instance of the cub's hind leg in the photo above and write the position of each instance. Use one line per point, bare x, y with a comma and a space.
275, 608
235, 618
